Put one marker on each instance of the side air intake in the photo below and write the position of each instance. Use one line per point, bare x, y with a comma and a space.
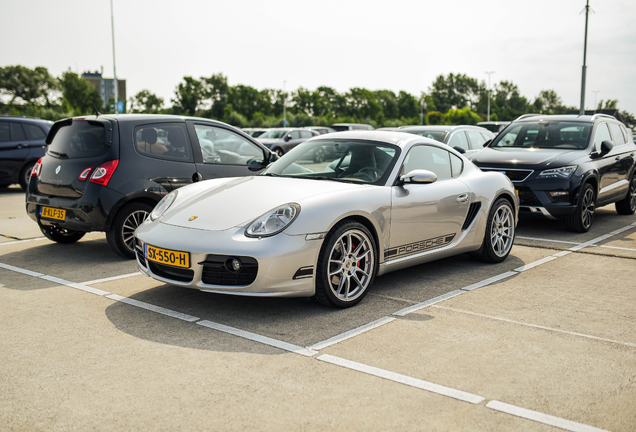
472, 212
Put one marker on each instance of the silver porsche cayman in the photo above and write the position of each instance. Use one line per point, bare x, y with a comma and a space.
328, 217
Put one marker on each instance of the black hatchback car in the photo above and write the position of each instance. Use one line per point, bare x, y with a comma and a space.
564, 166
21, 145
107, 173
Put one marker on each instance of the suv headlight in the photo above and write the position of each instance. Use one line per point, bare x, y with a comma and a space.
558, 173
274, 221
163, 205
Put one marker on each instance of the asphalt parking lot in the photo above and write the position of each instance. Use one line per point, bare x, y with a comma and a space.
543, 341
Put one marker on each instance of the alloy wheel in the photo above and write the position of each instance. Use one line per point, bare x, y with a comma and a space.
502, 231
587, 209
131, 223
351, 265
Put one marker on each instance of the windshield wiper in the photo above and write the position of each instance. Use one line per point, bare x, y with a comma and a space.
58, 154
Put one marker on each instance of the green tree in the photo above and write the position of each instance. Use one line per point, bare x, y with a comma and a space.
217, 91
188, 96
509, 104
78, 95
608, 104
435, 118
455, 90
389, 103
462, 116
549, 102
408, 105
146, 102
29, 85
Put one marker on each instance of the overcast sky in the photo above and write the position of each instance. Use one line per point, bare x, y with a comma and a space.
395, 45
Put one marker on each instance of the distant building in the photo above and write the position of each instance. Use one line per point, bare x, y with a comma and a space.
106, 87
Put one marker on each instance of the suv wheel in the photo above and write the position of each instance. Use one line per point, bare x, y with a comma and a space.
581, 220
25, 175
61, 235
627, 205
121, 237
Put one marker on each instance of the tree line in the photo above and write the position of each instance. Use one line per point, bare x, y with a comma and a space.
451, 99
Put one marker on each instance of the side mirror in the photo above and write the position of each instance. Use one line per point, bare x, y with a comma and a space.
487, 143
459, 149
419, 176
273, 157
606, 147
287, 137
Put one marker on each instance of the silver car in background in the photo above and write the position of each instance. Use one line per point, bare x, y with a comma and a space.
378, 202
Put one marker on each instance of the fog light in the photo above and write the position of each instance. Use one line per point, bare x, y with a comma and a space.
559, 193
233, 265
559, 196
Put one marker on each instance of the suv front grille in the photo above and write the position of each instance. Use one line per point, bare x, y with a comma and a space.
515, 175
216, 271
527, 197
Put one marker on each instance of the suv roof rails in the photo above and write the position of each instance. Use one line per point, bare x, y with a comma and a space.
526, 116
595, 116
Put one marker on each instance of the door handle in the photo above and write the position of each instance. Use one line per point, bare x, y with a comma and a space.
462, 198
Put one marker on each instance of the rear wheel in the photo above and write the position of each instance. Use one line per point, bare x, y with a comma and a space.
500, 233
121, 237
61, 235
627, 205
346, 265
25, 175
279, 151
581, 220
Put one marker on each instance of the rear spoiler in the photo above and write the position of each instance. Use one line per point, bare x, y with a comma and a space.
107, 125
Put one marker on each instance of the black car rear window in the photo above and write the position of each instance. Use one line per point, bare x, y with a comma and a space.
80, 139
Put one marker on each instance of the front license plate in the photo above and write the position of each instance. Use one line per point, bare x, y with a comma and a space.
166, 256
52, 213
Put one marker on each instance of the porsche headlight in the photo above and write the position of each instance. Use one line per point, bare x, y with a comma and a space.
273, 222
558, 173
163, 205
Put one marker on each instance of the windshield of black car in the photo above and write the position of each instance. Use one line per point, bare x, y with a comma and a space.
79, 139
274, 133
549, 134
356, 161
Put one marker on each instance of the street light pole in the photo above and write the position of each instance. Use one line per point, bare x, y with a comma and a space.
284, 104
489, 73
595, 94
112, 25
587, 13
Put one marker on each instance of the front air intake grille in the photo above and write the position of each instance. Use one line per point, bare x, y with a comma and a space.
515, 175
142, 258
527, 197
168, 272
472, 212
217, 270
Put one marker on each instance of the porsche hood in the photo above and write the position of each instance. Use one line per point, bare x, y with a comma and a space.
237, 201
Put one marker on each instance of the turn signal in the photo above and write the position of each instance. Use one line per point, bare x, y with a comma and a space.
84, 175
103, 174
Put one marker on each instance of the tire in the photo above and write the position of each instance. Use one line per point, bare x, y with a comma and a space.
346, 265
25, 175
627, 206
319, 155
279, 151
61, 235
120, 235
581, 220
500, 233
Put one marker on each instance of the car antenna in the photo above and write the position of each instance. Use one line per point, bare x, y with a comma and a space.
97, 113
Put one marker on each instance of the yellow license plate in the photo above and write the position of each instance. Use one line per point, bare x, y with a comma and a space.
53, 213
166, 256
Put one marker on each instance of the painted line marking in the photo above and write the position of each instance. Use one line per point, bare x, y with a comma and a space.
621, 248
541, 417
562, 253
108, 279
20, 270
74, 285
403, 379
23, 241
489, 281
547, 240
393, 298
258, 338
351, 333
153, 308
536, 263
408, 310
539, 327
590, 243
620, 230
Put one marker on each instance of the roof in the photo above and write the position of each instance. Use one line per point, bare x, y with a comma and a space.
611, 112
563, 117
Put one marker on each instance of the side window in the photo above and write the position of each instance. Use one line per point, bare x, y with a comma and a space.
221, 146
476, 139
163, 140
624, 131
428, 158
5, 132
33, 132
17, 133
486, 137
617, 135
457, 165
459, 140
295, 134
602, 134
306, 134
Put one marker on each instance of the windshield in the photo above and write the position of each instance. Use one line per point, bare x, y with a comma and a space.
354, 161
79, 139
435, 135
274, 133
551, 134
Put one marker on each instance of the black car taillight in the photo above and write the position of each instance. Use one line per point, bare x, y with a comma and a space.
37, 168
84, 174
104, 172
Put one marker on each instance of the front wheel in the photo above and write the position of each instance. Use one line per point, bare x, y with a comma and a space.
120, 236
61, 235
279, 151
346, 265
627, 205
500, 233
581, 220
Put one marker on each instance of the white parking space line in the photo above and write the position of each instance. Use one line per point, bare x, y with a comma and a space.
403, 379
541, 417
590, 243
547, 240
20, 270
74, 285
408, 310
153, 308
22, 241
562, 253
258, 338
392, 298
538, 326
351, 333
616, 247
489, 281
108, 279
620, 230
536, 263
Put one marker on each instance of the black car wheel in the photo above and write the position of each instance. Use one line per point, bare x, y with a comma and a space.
61, 235
25, 175
581, 220
120, 236
319, 155
279, 151
346, 265
627, 205
500, 233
